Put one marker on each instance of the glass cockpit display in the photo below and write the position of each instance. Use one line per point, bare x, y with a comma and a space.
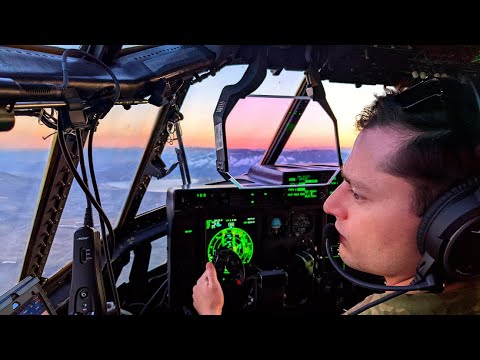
233, 233
230, 246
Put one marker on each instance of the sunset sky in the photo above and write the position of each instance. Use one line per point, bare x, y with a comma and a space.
131, 128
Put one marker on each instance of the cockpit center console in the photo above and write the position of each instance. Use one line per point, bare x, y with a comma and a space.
265, 244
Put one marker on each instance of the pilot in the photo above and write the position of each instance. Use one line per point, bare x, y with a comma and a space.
413, 146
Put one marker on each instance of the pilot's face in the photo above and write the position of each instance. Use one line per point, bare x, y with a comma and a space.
374, 212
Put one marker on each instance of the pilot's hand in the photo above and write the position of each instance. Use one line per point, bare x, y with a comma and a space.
208, 294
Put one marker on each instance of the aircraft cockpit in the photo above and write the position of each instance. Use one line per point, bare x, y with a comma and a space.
125, 169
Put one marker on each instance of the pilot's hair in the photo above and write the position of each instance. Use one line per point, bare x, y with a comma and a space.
434, 156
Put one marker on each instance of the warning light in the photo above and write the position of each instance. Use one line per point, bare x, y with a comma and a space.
239, 282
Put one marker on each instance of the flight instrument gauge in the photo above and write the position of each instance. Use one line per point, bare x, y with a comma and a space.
301, 224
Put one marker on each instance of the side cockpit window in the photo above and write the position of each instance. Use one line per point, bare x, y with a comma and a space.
23, 157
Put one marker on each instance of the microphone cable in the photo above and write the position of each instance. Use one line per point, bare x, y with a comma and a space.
381, 300
63, 147
90, 199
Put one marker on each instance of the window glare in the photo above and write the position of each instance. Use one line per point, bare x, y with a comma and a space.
67, 46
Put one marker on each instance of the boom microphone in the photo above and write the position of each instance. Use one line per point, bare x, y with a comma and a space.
430, 282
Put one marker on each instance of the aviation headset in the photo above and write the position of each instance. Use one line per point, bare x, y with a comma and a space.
448, 237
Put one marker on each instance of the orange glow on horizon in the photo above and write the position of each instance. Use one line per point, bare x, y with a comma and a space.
26, 134
119, 129
254, 125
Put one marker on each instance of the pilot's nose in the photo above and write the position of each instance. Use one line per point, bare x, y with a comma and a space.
334, 205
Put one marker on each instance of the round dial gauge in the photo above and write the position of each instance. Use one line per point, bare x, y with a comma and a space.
302, 224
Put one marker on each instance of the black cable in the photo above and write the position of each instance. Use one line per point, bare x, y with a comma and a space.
88, 220
47, 123
164, 297
147, 305
254, 279
419, 285
428, 282
94, 181
101, 213
116, 96
42, 116
47, 119
378, 301
96, 60
102, 223
157, 277
97, 205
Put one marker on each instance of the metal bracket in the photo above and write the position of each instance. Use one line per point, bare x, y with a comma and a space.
251, 80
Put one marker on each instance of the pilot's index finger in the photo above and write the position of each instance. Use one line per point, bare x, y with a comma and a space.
210, 271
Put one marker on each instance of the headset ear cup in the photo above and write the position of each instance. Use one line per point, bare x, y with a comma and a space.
440, 204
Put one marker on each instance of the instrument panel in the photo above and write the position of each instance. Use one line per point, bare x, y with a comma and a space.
263, 233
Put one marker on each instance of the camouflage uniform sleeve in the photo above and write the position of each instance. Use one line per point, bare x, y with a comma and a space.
379, 309
364, 302
461, 301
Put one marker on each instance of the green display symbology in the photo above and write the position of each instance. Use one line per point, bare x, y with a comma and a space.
232, 238
302, 180
302, 192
